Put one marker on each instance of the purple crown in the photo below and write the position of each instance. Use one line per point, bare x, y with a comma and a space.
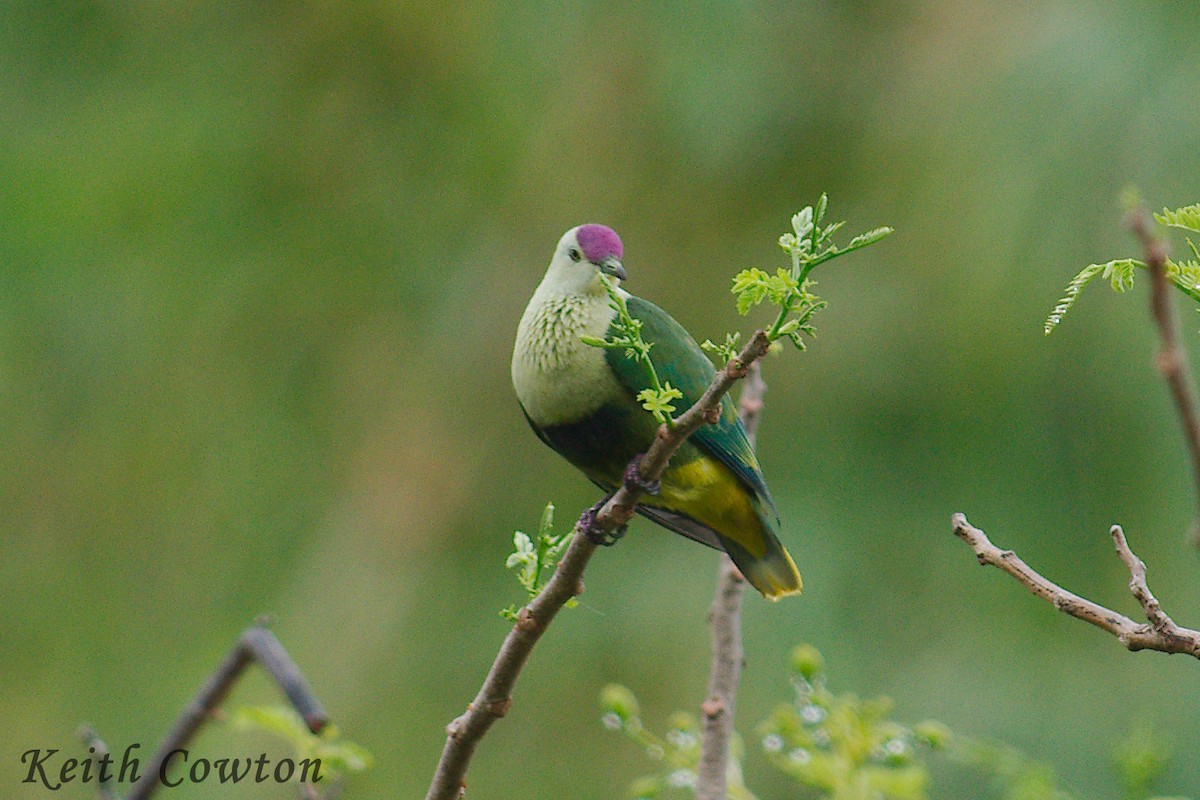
599, 242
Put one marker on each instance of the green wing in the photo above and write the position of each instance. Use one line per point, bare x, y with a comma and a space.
679, 360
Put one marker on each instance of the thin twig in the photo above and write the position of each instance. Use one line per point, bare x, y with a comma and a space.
255, 644
1161, 633
1172, 360
725, 616
495, 695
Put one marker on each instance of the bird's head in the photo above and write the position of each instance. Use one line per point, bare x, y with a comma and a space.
585, 254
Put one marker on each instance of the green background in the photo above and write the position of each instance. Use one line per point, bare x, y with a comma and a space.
262, 267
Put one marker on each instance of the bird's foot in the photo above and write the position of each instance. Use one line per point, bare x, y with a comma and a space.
634, 480
594, 533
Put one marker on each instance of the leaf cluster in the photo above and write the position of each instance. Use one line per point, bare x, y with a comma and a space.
1184, 275
627, 335
845, 747
534, 558
841, 747
1141, 759
677, 752
809, 244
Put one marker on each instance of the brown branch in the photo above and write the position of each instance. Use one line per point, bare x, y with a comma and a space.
255, 644
725, 616
1172, 360
494, 699
1161, 633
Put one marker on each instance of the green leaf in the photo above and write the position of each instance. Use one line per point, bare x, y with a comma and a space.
802, 221
344, 756
337, 755
1187, 217
933, 734
533, 558
727, 350
870, 237
907, 783
806, 661
1141, 760
546, 524
1120, 273
647, 788
1072, 292
619, 700
750, 286
279, 720
658, 401
1185, 274
754, 286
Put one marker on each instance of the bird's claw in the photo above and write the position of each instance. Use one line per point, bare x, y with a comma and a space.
634, 480
595, 534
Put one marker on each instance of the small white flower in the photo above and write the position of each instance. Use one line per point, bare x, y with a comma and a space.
681, 739
612, 721
812, 714
800, 756
772, 743
681, 779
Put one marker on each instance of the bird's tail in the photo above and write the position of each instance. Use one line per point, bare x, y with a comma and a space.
773, 572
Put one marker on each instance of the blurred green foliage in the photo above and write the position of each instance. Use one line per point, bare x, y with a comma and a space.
841, 747
263, 263
337, 756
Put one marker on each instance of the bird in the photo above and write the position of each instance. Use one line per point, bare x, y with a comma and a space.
581, 400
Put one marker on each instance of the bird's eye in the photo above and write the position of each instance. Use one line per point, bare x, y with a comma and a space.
575, 254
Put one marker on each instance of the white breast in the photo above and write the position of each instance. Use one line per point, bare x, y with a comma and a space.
558, 378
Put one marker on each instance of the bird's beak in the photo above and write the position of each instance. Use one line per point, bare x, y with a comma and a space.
611, 266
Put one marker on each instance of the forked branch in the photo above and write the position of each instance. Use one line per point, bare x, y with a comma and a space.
256, 644
1159, 632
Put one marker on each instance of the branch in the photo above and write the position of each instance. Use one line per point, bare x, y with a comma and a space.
716, 727
1160, 633
255, 644
1172, 360
495, 695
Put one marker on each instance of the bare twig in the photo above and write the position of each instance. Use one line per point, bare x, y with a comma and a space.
725, 616
1161, 633
495, 695
1172, 360
255, 644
